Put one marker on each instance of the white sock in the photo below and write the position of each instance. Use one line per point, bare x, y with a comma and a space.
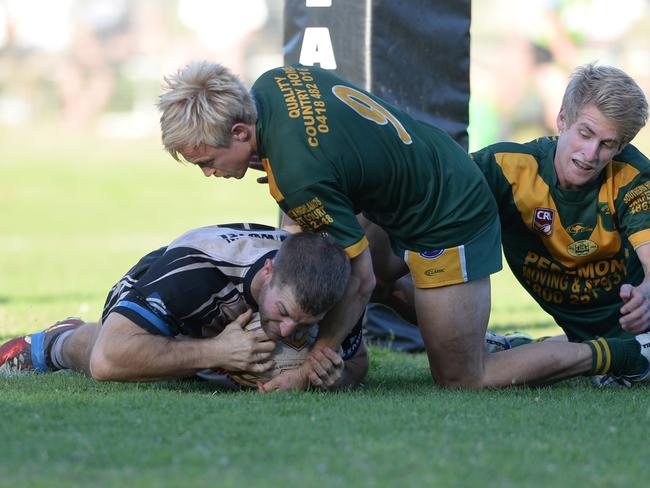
56, 353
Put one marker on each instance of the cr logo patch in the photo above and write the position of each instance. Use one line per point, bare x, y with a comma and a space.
543, 221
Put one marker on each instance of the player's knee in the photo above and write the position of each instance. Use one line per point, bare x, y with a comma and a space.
465, 380
381, 292
362, 363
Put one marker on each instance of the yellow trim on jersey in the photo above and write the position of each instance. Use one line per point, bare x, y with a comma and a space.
273, 187
530, 192
355, 249
639, 238
618, 175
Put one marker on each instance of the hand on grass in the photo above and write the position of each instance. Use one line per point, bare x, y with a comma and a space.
289, 379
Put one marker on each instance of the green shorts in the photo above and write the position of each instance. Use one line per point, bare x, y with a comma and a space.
479, 257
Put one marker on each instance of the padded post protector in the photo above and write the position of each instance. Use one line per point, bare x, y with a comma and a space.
411, 53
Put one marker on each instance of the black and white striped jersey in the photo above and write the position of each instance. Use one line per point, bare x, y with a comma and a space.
201, 280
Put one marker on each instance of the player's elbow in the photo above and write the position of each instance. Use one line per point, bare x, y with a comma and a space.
100, 365
367, 286
358, 366
355, 370
362, 285
113, 350
362, 279
105, 364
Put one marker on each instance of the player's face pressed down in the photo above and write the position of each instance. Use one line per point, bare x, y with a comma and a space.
584, 148
226, 162
280, 314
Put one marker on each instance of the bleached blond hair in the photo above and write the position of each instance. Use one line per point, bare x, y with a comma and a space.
199, 105
613, 92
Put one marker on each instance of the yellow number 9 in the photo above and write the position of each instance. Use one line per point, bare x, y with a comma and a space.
369, 109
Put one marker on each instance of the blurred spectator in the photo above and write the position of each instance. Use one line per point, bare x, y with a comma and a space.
98, 63
228, 42
523, 53
36, 33
100, 43
4, 26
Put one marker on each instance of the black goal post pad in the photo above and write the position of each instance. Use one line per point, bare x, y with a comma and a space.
411, 53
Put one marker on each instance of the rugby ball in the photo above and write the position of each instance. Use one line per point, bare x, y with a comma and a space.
289, 353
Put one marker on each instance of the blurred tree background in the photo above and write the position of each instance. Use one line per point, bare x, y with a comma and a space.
524, 52
97, 65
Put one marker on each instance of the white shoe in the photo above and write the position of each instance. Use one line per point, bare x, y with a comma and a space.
609, 381
644, 340
496, 342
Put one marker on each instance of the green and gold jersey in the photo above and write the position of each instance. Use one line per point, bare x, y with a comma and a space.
571, 249
332, 150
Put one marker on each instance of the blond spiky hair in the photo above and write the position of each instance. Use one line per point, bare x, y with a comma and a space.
200, 104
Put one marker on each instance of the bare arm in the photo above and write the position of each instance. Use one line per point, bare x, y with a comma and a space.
341, 319
636, 309
124, 351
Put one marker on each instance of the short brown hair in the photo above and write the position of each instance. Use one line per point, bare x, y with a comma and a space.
314, 268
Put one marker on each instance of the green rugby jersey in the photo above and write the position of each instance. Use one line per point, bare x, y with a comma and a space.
332, 150
571, 249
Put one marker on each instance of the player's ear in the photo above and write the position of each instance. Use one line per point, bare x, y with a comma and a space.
561, 121
267, 269
241, 132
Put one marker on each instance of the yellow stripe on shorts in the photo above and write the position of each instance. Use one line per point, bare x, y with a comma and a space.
442, 267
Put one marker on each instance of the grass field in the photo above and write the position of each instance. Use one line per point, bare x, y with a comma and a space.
77, 212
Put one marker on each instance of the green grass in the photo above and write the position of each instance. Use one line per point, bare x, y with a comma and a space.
66, 430
76, 215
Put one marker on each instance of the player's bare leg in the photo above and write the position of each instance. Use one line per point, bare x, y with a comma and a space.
400, 297
388, 267
63, 345
76, 348
453, 320
539, 363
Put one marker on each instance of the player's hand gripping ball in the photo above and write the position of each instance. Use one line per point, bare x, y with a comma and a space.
289, 353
